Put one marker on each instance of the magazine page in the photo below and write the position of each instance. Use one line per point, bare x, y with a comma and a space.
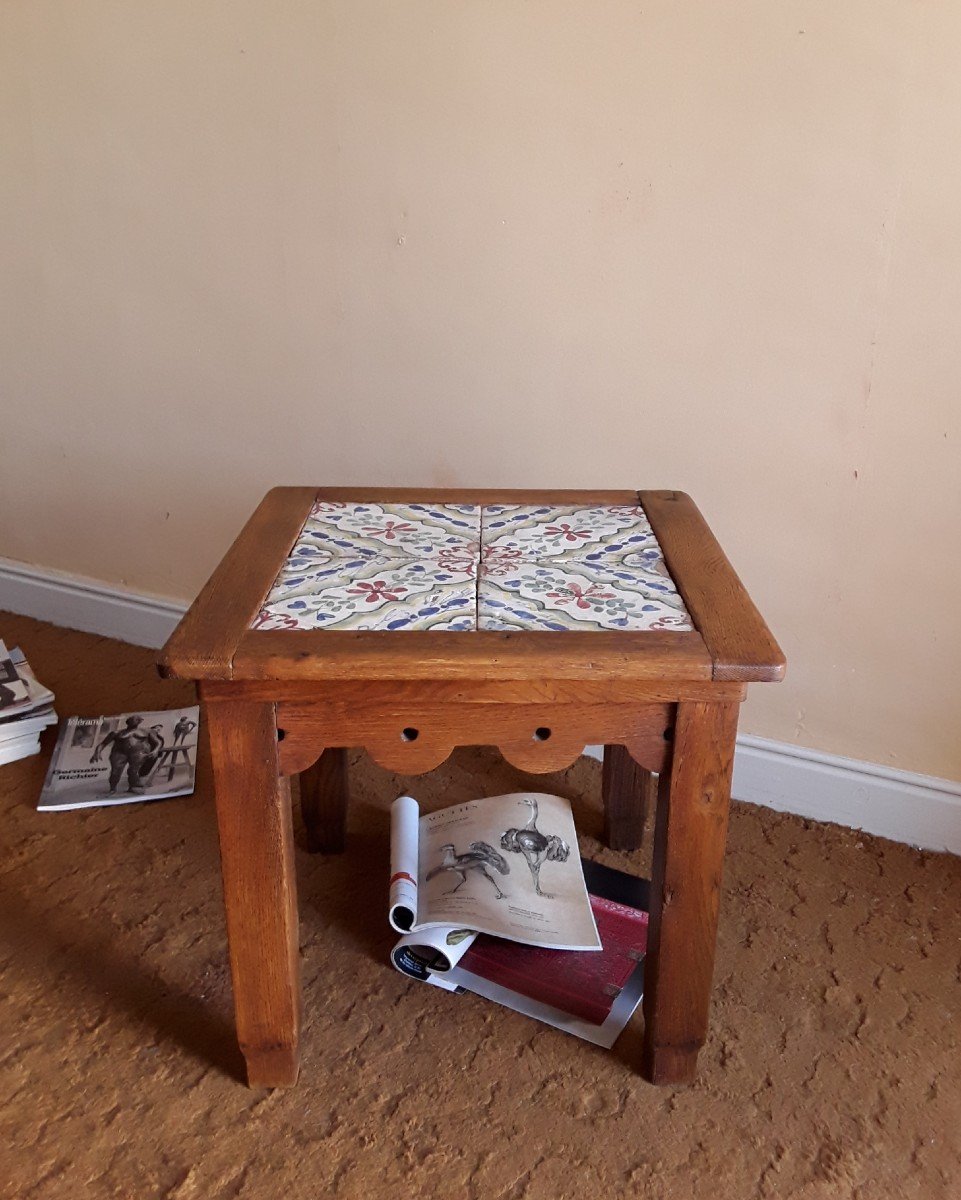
13, 749
404, 829
418, 954
505, 865
33, 722
13, 691
421, 955
31, 715
122, 760
37, 695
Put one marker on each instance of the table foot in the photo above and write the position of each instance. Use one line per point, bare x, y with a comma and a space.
665, 1065
324, 796
272, 1067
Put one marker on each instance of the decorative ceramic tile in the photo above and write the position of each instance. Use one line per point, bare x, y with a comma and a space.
601, 535
560, 593
457, 567
304, 575
372, 593
400, 530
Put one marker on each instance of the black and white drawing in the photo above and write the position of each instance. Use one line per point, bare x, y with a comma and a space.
432, 911
479, 857
536, 847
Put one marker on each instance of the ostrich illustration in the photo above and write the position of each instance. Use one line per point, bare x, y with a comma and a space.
479, 857
536, 847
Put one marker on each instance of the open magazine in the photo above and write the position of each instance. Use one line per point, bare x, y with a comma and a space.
584, 993
505, 865
122, 759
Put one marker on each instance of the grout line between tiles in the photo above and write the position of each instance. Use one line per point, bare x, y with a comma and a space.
477, 573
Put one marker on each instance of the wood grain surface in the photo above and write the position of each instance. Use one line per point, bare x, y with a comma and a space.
526, 496
324, 794
409, 655
740, 644
482, 691
202, 646
628, 791
689, 838
260, 890
419, 736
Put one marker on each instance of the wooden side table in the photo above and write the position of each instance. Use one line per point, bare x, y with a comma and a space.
408, 622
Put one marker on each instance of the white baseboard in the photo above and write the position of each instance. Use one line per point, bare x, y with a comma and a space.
75, 602
919, 810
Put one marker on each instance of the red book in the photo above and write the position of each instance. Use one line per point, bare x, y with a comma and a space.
584, 983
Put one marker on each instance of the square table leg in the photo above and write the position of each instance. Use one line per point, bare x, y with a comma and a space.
627, 790
260, 893
323, 802
689, 837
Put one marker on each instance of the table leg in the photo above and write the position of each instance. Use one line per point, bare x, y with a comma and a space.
627, 789
260, 894
323, 802
689, 836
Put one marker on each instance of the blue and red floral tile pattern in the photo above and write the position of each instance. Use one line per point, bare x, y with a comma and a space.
574, 568
379, 566
462, 567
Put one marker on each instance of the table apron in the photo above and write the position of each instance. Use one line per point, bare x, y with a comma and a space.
401, 692
414, 737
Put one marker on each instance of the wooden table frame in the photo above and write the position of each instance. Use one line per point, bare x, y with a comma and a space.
283, 702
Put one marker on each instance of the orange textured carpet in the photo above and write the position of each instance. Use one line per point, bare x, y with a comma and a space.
831, 1072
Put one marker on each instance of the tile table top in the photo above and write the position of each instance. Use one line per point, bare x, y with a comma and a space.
463, 567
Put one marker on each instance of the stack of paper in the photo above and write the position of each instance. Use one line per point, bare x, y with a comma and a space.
26, 707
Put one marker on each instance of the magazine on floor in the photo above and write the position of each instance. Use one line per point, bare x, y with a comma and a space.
505, 865
25, 745
22, 721
591, 996
122, 759
13, 691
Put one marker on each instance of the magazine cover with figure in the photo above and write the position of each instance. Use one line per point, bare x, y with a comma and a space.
121, 760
